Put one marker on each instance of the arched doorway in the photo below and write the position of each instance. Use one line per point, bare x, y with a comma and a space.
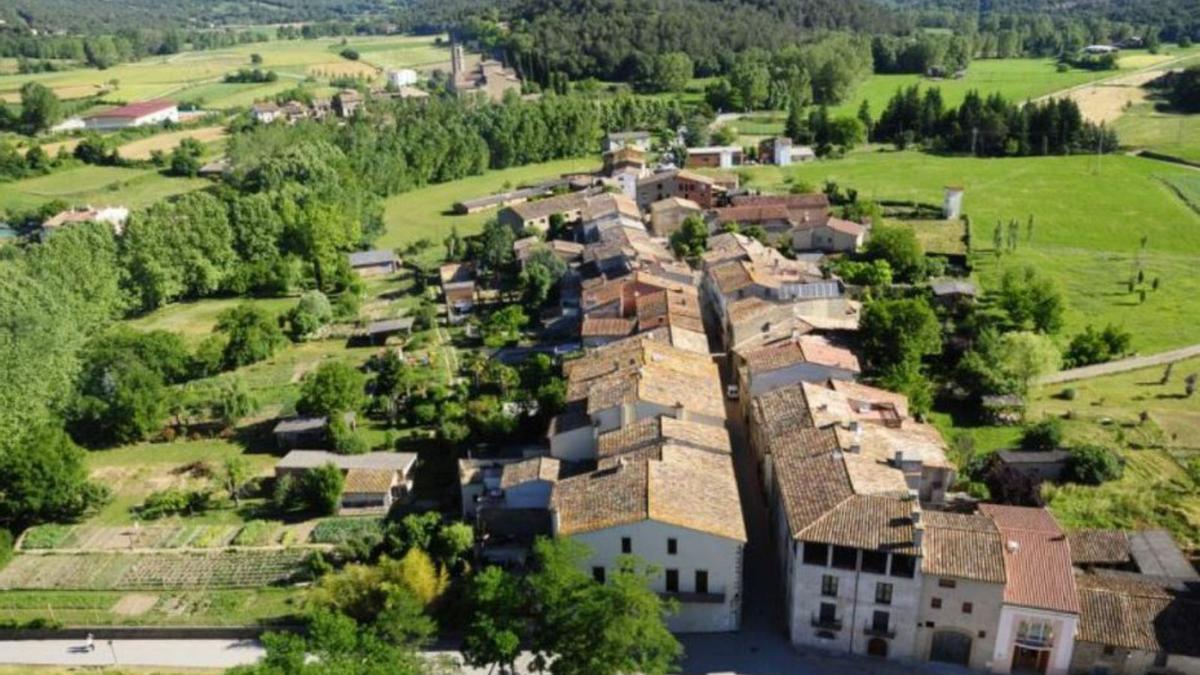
951, 647
877, 647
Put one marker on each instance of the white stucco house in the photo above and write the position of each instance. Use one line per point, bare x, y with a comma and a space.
1040, 613
680, 513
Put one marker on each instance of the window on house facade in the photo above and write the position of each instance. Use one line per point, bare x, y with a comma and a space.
816, 554
874, 562
935, 603
672, 581
829, 585
947, 583
1109, 650
626, 545
968, 608
672, 546
598, 574
701, 581
1037, 632
1160, 660
903, 566
828, 613
845, 558
883, 593
879, 621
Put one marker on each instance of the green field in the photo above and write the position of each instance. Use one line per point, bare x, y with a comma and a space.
96, 185
1016, 79
425, 213
196, 76
1143, 127
1155, 490
1089, 223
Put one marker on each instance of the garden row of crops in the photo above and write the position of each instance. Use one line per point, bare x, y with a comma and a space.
342, 530
119, 538
111, 571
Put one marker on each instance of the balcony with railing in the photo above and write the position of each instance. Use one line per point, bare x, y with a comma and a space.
1036, 639
826, 622
879, 630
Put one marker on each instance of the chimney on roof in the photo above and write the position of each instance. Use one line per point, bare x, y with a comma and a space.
1013, 546
856, 442
918, 535
916, 515
898, 460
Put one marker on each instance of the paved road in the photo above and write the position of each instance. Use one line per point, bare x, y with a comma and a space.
1121, 365
728, 653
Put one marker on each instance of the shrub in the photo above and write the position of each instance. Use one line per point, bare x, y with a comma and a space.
1043, 436
173, 501
1069, 394
256, 533
1094, 464
46, 536
341, 530
6, 547
321, 489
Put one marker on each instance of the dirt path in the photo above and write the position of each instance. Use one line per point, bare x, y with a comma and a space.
1121, 366
1105, 100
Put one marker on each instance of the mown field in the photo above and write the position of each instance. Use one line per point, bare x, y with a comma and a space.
96, 185
1144, 128
1155, 490
1090, 217
196, 76
1015, 79
426, 213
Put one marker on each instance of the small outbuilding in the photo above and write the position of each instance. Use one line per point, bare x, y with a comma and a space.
373, 263
378, 332
307, 432
374, 481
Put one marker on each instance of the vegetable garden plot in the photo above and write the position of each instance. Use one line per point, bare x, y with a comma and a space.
160, 570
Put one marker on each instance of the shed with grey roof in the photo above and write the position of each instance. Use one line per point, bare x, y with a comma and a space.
299, 432
374, 263
373, 481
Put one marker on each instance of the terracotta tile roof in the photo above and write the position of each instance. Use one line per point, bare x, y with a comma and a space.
135, 110
1091, 547
544, 208
858, 394
526, 470
809, 486
610, 204
731, 277
606, 327
369, 481
1137, 615
641, 368
962, 546
774, 357
820, 350
805, 200
804, 442
749, 307
867, 522
751, 214
1037, 558
658, 430
845, 226
781, 410
870, 475
689, 488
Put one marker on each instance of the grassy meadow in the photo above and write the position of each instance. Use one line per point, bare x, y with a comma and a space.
196, 76
426, 213
96, 185
1090, 216
1144, 128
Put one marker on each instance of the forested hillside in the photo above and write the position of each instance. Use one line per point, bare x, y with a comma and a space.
608, 39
